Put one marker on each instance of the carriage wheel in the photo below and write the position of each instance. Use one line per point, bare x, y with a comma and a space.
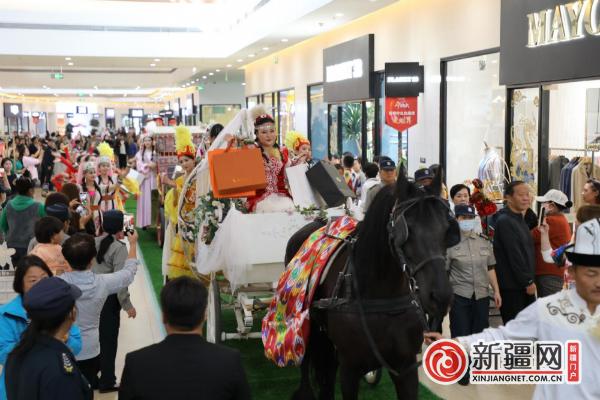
373, 377
213, 317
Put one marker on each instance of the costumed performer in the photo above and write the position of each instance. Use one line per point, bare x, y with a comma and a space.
299, 145
275, 197
179, 254
146, 165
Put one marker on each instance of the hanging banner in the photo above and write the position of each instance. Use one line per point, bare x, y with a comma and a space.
401, 112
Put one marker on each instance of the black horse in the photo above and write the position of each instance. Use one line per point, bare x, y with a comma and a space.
399, 251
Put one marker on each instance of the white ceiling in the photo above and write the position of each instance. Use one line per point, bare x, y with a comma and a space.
120, 45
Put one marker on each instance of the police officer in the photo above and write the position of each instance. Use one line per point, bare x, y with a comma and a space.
41, 366
471, 269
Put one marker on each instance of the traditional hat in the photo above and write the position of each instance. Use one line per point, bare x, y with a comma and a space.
586, 250
294, 140
183, 142
107, 154
260, 115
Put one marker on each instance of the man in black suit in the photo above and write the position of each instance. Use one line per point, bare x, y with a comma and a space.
184, 365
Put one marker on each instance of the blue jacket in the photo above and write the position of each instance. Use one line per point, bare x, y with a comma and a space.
13, 321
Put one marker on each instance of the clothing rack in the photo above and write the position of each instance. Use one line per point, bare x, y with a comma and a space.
578, 150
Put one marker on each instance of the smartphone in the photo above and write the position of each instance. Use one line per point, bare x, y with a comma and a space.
128, 224
1, 172
542, 216
83, 198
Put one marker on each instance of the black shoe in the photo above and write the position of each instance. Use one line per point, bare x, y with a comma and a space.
464, 381
109, 389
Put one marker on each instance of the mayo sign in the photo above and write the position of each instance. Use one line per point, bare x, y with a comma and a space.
563, 23
543, 41
347, 70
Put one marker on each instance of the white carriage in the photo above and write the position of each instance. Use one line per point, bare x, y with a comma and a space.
249, 249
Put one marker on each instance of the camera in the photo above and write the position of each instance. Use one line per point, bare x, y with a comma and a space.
128, 225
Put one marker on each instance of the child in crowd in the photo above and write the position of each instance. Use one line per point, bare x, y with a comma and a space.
49, 235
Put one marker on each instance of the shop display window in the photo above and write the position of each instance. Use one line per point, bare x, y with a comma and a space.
287, 112
334, 129
394, 144
525, 105
318, 122
251, 101
475, 123
351, 123
218, 113
370, 127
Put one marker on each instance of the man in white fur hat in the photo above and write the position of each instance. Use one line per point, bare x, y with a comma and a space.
572, 314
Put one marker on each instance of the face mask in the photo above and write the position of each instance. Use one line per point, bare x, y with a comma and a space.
467, 225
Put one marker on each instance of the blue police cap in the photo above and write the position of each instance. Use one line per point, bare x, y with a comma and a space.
466, 210
423, 173
50, 298
387, 164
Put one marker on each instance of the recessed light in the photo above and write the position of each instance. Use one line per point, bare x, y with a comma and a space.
96, 87
243, 83
55, 95
265, 48
157, 60
197, 80
182, 86
153, 65
137, 88
203, 76
70, 64
228, 65
217, 70
68, 58
284, 40
194, 70
251, 55
339, 15
240, 60
210, 73
124, 94
91, 95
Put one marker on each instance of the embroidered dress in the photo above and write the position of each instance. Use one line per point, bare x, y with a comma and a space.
275, 197
144, 201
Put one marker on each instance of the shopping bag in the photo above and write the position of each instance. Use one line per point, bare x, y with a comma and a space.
327, 181
302, 193
236, 172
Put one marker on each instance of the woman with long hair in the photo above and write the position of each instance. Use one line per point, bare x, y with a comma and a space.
146, 165
13, 316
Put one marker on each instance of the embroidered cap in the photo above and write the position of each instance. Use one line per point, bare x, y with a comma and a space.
586, 250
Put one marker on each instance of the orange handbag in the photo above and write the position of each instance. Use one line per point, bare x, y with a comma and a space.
236, 172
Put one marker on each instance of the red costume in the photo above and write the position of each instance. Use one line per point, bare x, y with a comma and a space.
275, 172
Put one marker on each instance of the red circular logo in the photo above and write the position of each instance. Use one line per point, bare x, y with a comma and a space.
445, 362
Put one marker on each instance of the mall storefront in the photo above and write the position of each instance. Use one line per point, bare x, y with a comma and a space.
529, 110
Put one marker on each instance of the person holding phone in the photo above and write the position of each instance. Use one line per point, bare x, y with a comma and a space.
548, 277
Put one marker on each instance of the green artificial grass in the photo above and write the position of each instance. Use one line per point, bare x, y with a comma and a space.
267, 381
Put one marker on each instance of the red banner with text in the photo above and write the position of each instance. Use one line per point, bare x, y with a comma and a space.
401, 112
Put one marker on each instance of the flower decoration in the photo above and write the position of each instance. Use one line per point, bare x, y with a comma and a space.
211, 212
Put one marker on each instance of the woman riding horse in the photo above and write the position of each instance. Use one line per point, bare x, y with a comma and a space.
397, 279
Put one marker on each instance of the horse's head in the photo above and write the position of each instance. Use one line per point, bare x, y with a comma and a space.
421, 228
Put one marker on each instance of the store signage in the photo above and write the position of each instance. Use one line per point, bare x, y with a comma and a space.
25, 114
563, 23
347, 70
165, 113
109, 113
82, 110
12, 110
70, 115
136, 112
57, 76
401, 112
549, 40
404, 79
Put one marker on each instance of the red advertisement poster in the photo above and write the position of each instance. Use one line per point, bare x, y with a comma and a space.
401, 112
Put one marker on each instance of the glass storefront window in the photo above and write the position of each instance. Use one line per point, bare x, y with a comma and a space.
318, 122
370, 106
524, 136
251, 102
287, 112
394, 144
475, 122
218, 113
352, 128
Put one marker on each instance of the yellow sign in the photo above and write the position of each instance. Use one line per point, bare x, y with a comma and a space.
564, 23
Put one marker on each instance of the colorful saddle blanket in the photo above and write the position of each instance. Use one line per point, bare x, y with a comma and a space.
286, 327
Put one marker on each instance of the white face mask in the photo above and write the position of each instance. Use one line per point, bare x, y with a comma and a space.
467, 225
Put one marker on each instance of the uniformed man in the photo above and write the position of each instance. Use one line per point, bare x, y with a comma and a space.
471, 271
569, 315
41, 366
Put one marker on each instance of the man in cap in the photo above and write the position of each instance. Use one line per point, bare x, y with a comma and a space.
387, 175
570, 315
45, 368
60, 211
424, 176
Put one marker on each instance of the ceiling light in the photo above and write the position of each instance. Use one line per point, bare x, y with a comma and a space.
217, 70
91, 95
339, 15
137, 88
284, 40
70, 64
182, 86
194, 70
265, 48
19, 94
55, 95
251, 55
153, 65
124, 94
228, 65
156, 59
243, 83
240, 60
68, 58
197, 79
96, 87
211, 74
203, 76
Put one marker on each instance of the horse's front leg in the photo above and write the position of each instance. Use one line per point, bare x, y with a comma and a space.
407, 384
350, 382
